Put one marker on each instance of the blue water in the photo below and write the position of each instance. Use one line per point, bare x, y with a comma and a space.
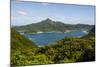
48, 38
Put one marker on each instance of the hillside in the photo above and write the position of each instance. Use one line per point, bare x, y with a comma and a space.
18, 40
91, 33
24, 52
49, 25
21, 48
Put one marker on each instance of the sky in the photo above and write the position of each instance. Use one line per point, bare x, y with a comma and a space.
23, 13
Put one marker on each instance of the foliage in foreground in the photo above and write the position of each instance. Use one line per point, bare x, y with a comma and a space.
25, 52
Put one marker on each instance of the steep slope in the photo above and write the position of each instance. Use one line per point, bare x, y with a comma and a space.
22, 49
91, 33
20, 40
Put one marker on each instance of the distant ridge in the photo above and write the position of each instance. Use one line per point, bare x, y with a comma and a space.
49, 25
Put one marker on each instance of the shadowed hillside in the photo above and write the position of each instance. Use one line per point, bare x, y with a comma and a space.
91, 33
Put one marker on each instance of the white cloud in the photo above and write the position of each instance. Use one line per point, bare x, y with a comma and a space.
22, 12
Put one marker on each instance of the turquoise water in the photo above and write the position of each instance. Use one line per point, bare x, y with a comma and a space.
48, 38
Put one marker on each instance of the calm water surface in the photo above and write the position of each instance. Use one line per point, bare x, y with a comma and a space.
48, 38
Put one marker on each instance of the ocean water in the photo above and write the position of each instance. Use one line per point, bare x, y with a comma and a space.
49, 38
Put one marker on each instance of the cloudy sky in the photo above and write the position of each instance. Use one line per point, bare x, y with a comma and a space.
23, 13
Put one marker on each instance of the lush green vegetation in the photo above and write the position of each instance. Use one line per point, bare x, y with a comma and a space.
49, 25
25, 52
22, 49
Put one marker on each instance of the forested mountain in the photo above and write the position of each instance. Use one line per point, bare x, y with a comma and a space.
49, 25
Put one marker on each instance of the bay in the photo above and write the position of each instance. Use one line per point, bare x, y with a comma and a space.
51, 37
